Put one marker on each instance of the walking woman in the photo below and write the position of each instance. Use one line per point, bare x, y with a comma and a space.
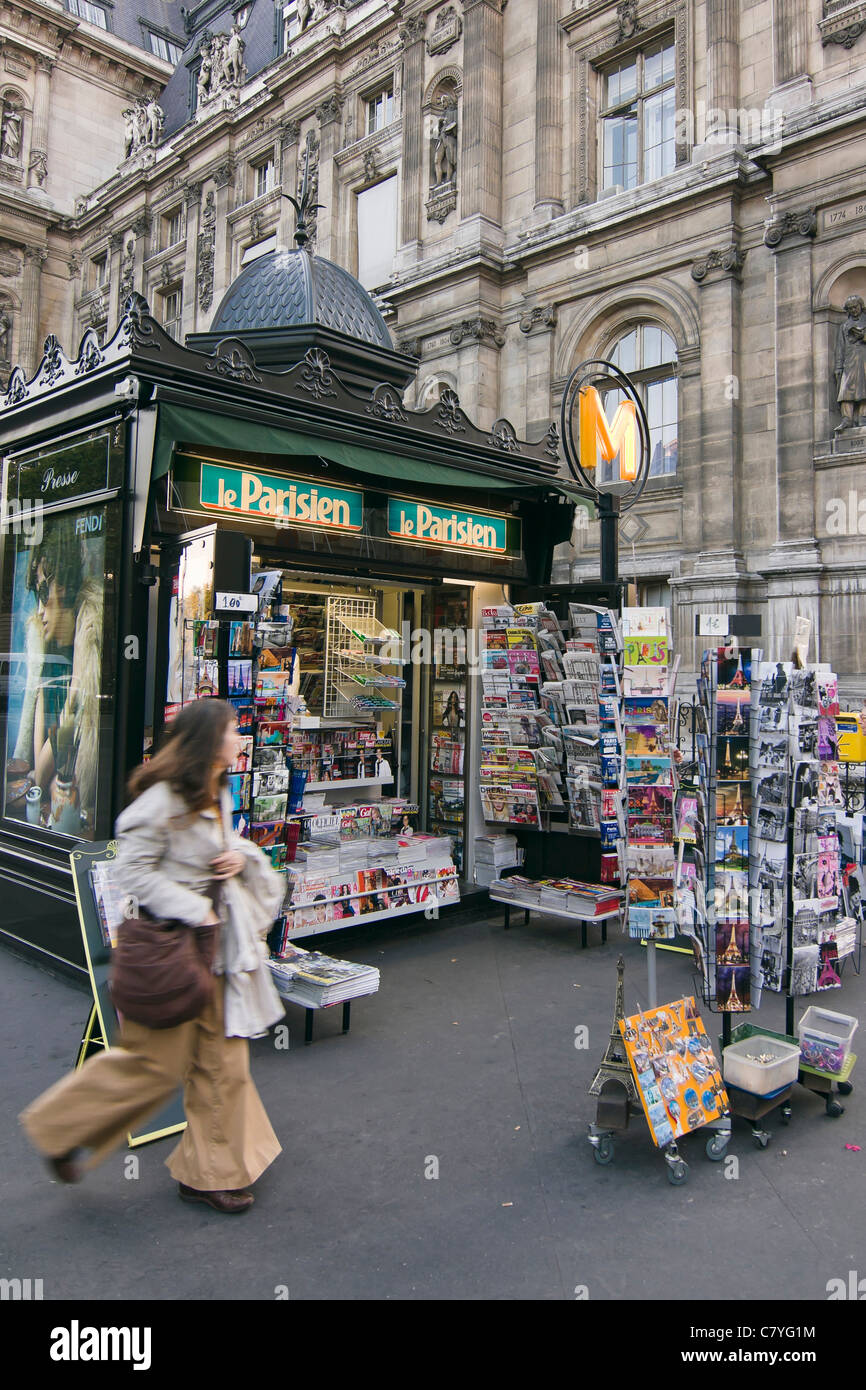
177, 858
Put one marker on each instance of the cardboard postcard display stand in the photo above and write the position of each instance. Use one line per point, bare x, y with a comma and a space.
96, 915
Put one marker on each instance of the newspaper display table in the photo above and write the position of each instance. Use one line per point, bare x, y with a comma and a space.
570, 916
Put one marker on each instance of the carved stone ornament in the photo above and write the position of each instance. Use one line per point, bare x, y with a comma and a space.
38, 169
290, 133
10, 262
843, 23
449, 416
222, 71
410, 346
378, 50
205, 258
803, 223
166, 274
441, 202
255, 226
481, 330
413, 30
142, 224
449, 27
224, 173
97, 310
628, 23
729, 259
541, 316
317, 376
233, 361
502, 437
143, 124
371, 169
6, 321
329, 110
387, 405
127, 271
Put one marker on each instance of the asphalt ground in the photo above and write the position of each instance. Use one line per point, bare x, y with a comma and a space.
464, 1065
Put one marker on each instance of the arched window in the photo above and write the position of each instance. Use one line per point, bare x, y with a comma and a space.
648, 355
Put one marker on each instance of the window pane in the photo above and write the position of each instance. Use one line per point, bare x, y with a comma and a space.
658, 135
652, 337
668, 348
621, 83
620, 151
624, 354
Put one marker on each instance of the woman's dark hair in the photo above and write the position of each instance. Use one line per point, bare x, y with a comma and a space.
61, 557
186, 758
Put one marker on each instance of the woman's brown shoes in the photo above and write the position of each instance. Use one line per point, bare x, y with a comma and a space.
229, 1202
68, 1167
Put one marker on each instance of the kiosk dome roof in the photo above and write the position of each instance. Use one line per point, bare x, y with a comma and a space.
285, 289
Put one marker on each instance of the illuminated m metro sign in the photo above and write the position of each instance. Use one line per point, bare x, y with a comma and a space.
596, 435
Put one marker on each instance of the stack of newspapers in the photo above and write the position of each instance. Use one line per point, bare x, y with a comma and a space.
311, 978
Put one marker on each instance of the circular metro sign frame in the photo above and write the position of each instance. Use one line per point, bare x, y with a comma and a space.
629, 429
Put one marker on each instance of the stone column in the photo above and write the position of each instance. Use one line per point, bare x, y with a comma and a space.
141, 226
538, 326
477, 342
790, 237
723, 75
290, 135
37, 172
548, 110
192, 203
221, 275
792, 85
718, 275
480, 166
328, 115
412, 171
30, 340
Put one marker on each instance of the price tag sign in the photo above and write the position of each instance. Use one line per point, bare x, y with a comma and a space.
236, 603
713, 624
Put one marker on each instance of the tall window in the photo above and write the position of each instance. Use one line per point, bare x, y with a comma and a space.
291, 23
377, 232
164, 48
172, 228
99, 271
637, 118
265, 176
649, 356
172, 312
94, 14
380, 109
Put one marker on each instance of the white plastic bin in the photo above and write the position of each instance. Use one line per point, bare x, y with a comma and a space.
761, 1078
826, 1039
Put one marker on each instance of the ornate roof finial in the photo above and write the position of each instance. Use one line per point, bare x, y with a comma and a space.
303, 207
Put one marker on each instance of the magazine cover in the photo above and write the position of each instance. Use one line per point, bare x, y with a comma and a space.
677, 1075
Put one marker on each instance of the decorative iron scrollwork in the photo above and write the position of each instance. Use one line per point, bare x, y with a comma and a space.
52, 361
387, 405
89, 353
449, 416
233, 361
17, 389
318, 378
502, 437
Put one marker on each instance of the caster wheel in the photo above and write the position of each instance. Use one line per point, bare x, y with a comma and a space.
845, 1088
716, 1147
603, 1151
785, 1114
761, 1140
834, 1109
678, 1174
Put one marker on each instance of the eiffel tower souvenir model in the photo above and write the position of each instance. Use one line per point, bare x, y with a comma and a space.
614, 1064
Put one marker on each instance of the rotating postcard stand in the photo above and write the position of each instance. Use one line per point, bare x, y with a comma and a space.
662, 1061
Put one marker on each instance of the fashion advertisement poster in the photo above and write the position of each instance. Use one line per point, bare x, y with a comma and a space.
56, 675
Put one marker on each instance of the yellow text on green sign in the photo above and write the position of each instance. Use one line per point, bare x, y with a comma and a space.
247, 492
419, 521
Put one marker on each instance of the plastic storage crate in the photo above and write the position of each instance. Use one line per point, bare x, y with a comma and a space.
761, 1078
826, 1039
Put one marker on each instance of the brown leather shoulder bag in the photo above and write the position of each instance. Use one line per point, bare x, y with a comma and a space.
161, 972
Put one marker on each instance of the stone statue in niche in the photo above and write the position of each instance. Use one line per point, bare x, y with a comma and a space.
10, 138
850, 364
143, 126
204, 90
5, 333
233, 70
445, 145
153, 119
305, 9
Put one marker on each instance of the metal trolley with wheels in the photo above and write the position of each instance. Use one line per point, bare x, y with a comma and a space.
822, 1083
617, 1099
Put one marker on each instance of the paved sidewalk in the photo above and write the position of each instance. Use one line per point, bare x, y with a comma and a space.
467, 1057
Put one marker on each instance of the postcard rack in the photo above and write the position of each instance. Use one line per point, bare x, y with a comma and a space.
356, 681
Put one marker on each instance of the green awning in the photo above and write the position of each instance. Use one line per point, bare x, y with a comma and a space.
179, 424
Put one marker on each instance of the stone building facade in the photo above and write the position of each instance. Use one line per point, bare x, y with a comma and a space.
677, 185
